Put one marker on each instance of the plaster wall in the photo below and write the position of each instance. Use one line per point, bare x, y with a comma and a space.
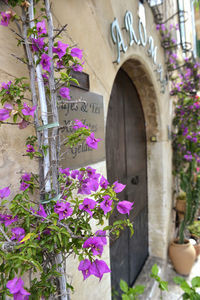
89, 28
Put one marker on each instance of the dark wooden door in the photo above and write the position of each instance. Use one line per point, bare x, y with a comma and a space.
126, 162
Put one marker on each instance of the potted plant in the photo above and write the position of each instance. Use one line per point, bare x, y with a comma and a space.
181, 250
186, 155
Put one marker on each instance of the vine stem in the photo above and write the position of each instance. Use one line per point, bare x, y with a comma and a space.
43, 104
4, 234
31, 68
55, 142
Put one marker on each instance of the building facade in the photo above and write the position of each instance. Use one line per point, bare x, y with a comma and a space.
124, 63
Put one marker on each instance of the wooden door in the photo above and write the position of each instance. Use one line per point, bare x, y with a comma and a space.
126, 162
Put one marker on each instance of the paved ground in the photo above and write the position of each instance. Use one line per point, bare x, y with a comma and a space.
166, 272
175, 291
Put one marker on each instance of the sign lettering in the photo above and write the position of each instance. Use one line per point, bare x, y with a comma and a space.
143, 40
88, 109
117, 38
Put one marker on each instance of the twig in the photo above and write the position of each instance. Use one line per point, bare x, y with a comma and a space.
5, 235
59, 32
19, 35
9, 123
49, 221
20, 59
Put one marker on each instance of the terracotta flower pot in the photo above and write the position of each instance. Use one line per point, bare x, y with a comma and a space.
180, 205
182, 256
197, 249
180, 208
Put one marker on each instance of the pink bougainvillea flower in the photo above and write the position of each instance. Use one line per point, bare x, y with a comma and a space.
104, 182
158, 27
93, 185
37, 44
98, 268
60, 50
84, 189
41, 212
87, 205
8, 106
8, 219
76, 52
90, 171
92, 142
65, 171
64, 92
78, 124
15, 287
41, 28
95, 244
30, 148
6, 86
77, 68
18, 233
26, 177
124, 207
4, 114
118, 187
28, 111
45, 79
5, 20
59, 64
188, 157
106, 204
63, 210
84, 266
45, 62
23, 124
74, 173
102, 235
5, 192
24, 186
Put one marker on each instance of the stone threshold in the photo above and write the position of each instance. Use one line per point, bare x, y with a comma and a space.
152, 292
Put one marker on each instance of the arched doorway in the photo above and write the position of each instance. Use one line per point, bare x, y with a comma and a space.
127, 162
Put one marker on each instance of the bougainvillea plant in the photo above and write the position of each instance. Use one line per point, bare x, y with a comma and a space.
184, 75
51, 216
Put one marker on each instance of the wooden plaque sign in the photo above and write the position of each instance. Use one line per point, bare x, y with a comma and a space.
88, 109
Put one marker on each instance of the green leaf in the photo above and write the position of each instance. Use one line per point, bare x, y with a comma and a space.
154, 269
74, 80
119, 222
125, 297
195, 282
15, 118
123, 286
139, 289
163, 285
178, 280
36, 264
186, 288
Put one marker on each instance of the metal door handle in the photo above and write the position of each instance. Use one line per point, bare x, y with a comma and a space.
135, 180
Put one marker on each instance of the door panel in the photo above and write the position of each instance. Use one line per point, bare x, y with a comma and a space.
126, 162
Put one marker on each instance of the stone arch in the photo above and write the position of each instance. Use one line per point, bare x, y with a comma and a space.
143, 83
